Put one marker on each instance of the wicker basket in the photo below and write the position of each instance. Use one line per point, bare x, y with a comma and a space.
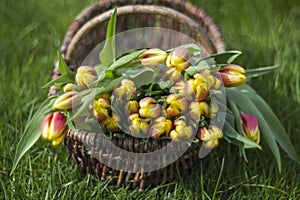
87, 30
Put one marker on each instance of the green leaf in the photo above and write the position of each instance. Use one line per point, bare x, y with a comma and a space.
141, 76
125, 59
108, 53
99, 69
227, 56
237, 115
274, 123
202, 65
31, 133
63, 79
63, 67
231, 133
246, 105
67, 76
251, 73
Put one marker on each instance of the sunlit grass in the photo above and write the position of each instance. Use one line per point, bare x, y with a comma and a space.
31, 32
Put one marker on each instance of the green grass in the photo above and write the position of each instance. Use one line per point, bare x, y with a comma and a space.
31, 32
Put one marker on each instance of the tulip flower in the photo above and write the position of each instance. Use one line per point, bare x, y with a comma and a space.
133, 106
179, 59
181, 131
125, 90
53, 126
232, 75
179, 87
176, 105
161, 126
250, 127
69, 87
110, 124
149, 108
171, 74
100, 108
212, 82
104, 95
217, 84
210, 136
85, 75
138, 126
198, 109
197, 88
153, 57
67, 101
58, 140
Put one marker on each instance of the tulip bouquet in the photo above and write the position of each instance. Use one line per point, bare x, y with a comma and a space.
172, 94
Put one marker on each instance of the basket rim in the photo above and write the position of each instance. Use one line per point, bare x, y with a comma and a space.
182, 6
137, 9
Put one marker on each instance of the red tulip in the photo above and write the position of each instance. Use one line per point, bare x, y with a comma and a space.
53, 126
250, 127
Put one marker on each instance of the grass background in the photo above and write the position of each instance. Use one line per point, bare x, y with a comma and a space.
267, 31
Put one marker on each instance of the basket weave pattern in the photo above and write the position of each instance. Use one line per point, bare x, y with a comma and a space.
89, 29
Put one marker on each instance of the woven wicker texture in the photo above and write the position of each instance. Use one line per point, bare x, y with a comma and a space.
89, 29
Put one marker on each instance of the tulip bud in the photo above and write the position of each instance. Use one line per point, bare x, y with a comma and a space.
85, 75
210, 136
133, 106
69, 87
153, 57
197, 88
181, 131
171, 74
58, 140
250, 127
110, 124
103, 95
149, 108
217, 84
100, 108
161, 126
179, 59
179, 86
176, 105
232, 75
67, 101
198, 109
125, 90
53, 126
138, 126
210, 80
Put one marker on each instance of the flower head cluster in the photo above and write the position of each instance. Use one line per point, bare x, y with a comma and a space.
178, 113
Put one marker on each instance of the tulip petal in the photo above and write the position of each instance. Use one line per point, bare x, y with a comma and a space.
57, 125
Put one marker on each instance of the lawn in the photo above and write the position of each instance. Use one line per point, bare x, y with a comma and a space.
266, 31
